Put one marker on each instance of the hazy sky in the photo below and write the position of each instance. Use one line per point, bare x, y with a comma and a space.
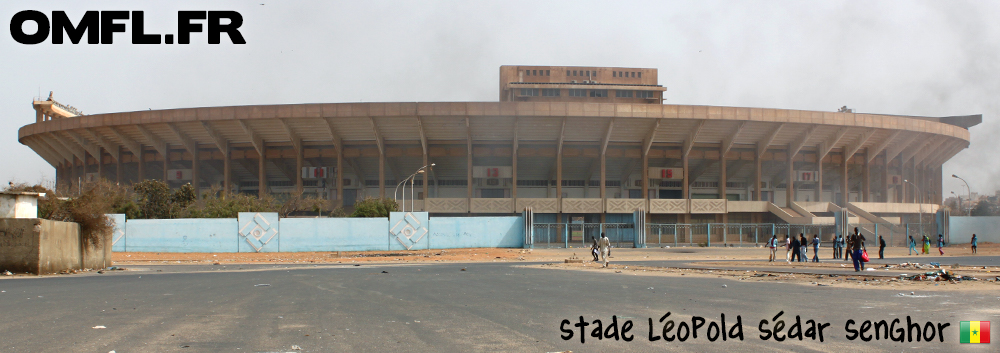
926, 58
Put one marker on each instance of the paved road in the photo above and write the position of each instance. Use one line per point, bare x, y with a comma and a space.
433, 308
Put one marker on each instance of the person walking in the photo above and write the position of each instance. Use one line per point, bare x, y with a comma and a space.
881, 247
836, 244
773, 245
595, 250
804, 248
849, 249
788, 249
796, 249
927, 244
857, 246
605, 245
940, 244
974, 241
815, 244
912, 243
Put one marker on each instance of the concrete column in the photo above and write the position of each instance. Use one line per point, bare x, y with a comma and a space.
686, 185
559, 176
604, 172
468, 174
118, 167
865, 179
722, 172
166, 162
884, 183
819, 178
298, 169
844, 185
340, 175
938, 187
645, 175
227, 178
790, 182
141, 165
262, 172
195, 175
381, 174
513, 175
426, 177
100, 164
756, 176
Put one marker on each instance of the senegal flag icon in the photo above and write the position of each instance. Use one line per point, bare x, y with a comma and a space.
974, 331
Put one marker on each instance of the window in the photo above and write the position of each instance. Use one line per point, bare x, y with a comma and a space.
614, 73
549, 73
644, 94
529, 92
550, 92
574, 72
640, 75
588, 73
599, 93
623, 94
567, 72
633, 75
577, 93
532, 182
534, 72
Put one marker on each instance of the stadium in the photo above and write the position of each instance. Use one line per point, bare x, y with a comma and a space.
588, 145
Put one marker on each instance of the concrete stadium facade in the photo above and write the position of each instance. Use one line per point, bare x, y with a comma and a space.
571, 155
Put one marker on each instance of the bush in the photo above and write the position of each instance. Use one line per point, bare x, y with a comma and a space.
88, 209
374, 207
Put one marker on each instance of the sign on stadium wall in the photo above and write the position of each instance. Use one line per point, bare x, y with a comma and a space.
314, 172
492, 172
178, 174
666, 173
805, 175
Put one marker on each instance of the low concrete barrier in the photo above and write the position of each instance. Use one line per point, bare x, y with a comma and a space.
41, 246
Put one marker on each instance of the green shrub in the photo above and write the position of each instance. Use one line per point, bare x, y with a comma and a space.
374, 207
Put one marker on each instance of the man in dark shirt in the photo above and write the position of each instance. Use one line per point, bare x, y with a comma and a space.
881, 247
796, 249
857, 246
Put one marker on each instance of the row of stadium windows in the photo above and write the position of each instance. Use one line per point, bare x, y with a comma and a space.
597, 93
585, 73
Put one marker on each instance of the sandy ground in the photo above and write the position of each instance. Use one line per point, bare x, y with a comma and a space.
716, 257
699, 254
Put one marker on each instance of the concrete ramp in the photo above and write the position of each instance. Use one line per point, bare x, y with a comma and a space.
787, 214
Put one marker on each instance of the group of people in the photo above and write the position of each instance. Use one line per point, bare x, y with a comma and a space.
926, 241
795, 248
601, 248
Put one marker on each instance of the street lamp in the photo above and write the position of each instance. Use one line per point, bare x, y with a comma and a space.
403, 183
921, 204
969, 213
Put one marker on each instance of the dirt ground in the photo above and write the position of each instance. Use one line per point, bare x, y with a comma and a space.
502, 255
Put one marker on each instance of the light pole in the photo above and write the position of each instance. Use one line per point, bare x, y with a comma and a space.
970, 192
403, 183
921, 204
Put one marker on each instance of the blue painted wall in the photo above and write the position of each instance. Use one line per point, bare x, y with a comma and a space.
476, 232
118, 231
314, 234
960, 229
181, 235
334, 234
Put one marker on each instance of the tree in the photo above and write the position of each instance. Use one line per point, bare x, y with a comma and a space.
374, 207
984, 208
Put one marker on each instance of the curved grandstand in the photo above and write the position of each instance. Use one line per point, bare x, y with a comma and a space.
559, 141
